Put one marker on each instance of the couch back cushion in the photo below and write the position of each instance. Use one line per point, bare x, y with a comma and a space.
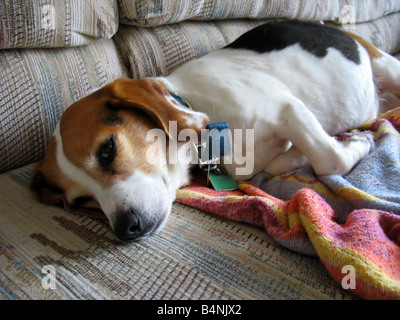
158, 12
152, 52
366, 10
56, 23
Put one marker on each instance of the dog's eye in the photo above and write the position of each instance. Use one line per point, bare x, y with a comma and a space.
106, 152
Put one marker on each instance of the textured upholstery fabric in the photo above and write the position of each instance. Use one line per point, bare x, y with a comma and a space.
382, 32
56, 23
159, 51
158, 12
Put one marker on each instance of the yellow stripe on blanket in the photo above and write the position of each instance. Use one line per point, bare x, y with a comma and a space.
351, 193
308, 182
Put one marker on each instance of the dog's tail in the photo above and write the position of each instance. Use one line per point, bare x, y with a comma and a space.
386, 71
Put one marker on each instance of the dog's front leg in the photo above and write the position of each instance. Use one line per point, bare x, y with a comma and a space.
326, 154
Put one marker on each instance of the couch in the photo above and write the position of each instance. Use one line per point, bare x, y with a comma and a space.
54, 53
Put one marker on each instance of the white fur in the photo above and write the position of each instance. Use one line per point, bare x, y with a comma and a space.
289, 97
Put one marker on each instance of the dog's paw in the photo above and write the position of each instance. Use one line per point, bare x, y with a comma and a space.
354, 146
363, 140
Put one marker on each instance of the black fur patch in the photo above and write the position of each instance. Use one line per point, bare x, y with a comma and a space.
314, 37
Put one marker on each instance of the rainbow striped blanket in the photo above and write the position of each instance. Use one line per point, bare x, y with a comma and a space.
351, 223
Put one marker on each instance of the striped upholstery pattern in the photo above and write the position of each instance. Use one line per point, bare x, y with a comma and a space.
382, 32
154, 13
159, 51
55, 23
366, 10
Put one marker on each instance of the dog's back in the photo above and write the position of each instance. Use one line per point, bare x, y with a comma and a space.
321, 66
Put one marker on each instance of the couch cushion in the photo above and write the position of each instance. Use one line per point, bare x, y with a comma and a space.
157, 12
38, 84
56, 23
366, 10
159, 51
384, 32
195, 256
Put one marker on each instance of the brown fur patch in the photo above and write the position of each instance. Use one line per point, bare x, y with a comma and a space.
373, 51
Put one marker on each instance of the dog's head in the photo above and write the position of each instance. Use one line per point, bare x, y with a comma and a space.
100, 157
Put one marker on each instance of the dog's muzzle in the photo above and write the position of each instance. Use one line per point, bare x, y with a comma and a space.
132, 225
128, 225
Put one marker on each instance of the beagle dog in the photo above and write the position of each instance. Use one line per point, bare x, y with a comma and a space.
294, 84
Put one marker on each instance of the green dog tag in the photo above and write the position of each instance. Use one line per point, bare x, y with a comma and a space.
222, 181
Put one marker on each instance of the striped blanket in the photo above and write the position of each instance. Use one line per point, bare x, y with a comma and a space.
351, 223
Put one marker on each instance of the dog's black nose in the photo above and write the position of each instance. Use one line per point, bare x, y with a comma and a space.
127, 225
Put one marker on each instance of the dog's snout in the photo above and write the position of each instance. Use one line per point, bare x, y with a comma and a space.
128, 225
134, 220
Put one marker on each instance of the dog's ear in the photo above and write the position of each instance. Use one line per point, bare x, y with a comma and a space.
151, 97
42, 190
48, 193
